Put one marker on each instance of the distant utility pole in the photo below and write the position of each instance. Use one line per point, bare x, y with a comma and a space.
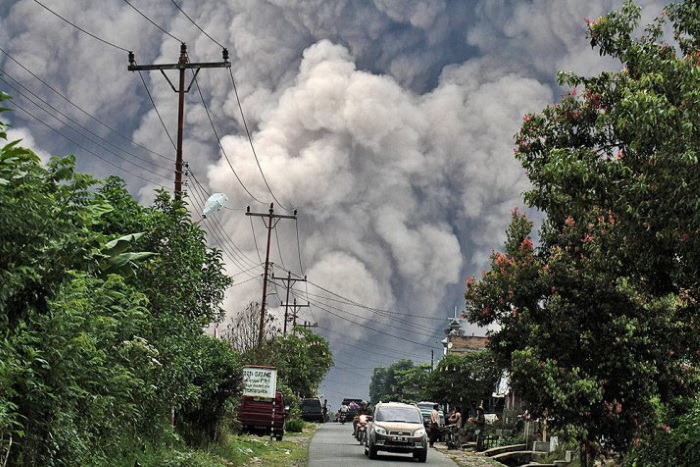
182, 65
288, 283
295, 313
271, 222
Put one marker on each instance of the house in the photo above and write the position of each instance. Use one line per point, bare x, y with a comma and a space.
457, 343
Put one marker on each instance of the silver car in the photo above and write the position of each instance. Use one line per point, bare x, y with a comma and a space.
397, 427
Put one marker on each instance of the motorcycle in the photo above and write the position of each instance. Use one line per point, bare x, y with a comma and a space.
361, 432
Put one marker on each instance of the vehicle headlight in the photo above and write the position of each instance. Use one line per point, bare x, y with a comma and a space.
380, 430
419, 432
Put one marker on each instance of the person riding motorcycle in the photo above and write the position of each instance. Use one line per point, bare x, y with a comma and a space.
363, 410
343, 413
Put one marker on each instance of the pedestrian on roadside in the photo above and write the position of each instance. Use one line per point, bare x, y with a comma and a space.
434, 424
454, 417
480, 421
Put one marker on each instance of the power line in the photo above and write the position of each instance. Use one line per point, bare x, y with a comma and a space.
373, 344
430, 331
81, 29
84, 148
250, 140
146, 169
279, 250
73, 121
196, 25
255, 240
413, 329
156, 109
375, 310
113, 130
370, 328
218, 141
234, 253
301, 266
386, 313
151, 21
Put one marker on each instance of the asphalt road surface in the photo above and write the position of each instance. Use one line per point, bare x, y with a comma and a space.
334, 446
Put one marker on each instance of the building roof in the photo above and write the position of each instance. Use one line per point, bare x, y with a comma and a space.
465, 344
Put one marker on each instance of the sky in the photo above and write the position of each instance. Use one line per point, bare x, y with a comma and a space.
386, 124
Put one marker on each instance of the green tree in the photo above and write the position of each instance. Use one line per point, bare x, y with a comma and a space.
377, 384
463, 380
302, 359
411, 383
91, 363
602, 318
401, 381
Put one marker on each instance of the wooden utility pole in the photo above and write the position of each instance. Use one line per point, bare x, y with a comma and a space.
295, 313
181, 65
288, 283
271, 222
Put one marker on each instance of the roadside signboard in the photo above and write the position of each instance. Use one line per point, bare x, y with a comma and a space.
259, 381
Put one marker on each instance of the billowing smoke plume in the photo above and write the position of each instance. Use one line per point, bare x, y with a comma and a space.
388, 124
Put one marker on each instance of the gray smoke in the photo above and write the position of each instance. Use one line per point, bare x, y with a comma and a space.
388, 124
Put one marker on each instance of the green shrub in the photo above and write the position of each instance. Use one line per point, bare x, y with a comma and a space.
677, 444
295, 425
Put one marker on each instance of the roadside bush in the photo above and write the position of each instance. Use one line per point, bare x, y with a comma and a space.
295, 425
217, 377
677, 444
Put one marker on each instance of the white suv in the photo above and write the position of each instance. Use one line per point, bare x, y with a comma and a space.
397, 427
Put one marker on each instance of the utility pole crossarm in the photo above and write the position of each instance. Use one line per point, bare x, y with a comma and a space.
182, 65
177, 66
288, 282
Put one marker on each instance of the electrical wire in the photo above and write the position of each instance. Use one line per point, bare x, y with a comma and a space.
81, 29
252, 146
218, 141
82, 135
196, 25
301, 265
232, 251
376, 310
257, 249
156, 109
364, 350
84, 148
413, 330
236, 284
373, 343
427, 332
279, 250
370, 328
151, 21
113, 130
75, 122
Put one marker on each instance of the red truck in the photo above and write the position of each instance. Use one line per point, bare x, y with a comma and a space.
263, 416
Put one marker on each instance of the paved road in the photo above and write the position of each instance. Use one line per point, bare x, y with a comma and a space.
334, 446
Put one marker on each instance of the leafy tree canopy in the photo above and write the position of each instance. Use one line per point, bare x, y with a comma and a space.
601, 319
464, 380
102, 303
402, 381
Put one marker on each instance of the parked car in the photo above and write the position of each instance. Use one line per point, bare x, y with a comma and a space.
263, 416
312, 410
397, 427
